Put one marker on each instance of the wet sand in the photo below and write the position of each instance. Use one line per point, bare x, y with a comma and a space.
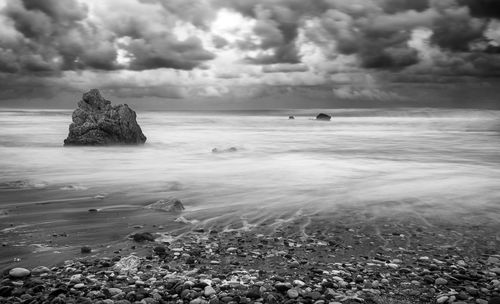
47, 231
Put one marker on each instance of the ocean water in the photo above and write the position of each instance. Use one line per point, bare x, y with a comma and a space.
424, 163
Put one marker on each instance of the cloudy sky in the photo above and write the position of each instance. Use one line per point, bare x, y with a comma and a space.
250, 53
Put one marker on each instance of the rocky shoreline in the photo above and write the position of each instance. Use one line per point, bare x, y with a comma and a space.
247, 267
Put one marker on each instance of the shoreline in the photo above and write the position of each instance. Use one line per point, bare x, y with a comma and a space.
337, 263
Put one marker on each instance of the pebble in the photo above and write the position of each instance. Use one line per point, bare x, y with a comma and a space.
75, 278
234, 278
19, 273
496, 270
114, 291
292, 293
39, 270
198, 301
209, 290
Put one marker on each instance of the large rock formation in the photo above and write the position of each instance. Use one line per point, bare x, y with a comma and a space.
97, 122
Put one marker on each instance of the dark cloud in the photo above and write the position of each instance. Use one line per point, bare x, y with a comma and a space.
141, 92
377, 41
456, 29
165, 51
43, 40
51, 36
27, 86
59, 35
483, 8
395, 6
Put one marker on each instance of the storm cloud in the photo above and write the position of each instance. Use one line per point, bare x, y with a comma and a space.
257, 43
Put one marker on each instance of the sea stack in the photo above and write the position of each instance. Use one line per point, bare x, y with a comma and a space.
97, 122
323, 116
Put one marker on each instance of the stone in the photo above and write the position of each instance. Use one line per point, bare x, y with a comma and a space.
127, 264
254, 292
292, 293
19, 273
440, 281
76, 278
85, 249
209, 290
323, 116
40, 270
496, 270
198, 301
168, 205
143, 236
228, 150
291, 117
79, 286
114, 291
282, 287
97, 122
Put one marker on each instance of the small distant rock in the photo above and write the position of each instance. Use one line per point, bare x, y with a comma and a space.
86, 249
440, 281
291, 117
143, 236
229, 150
167, 205
19, 273
323, 116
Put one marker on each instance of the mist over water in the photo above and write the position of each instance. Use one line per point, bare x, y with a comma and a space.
419, 162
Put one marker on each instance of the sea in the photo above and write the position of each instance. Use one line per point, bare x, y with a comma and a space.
426, 163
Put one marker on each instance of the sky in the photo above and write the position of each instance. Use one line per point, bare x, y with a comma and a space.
202, 54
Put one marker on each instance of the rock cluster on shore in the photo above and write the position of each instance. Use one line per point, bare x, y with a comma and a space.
97, 122
211, 267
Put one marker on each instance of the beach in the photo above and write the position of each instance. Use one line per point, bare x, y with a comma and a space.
374, 206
